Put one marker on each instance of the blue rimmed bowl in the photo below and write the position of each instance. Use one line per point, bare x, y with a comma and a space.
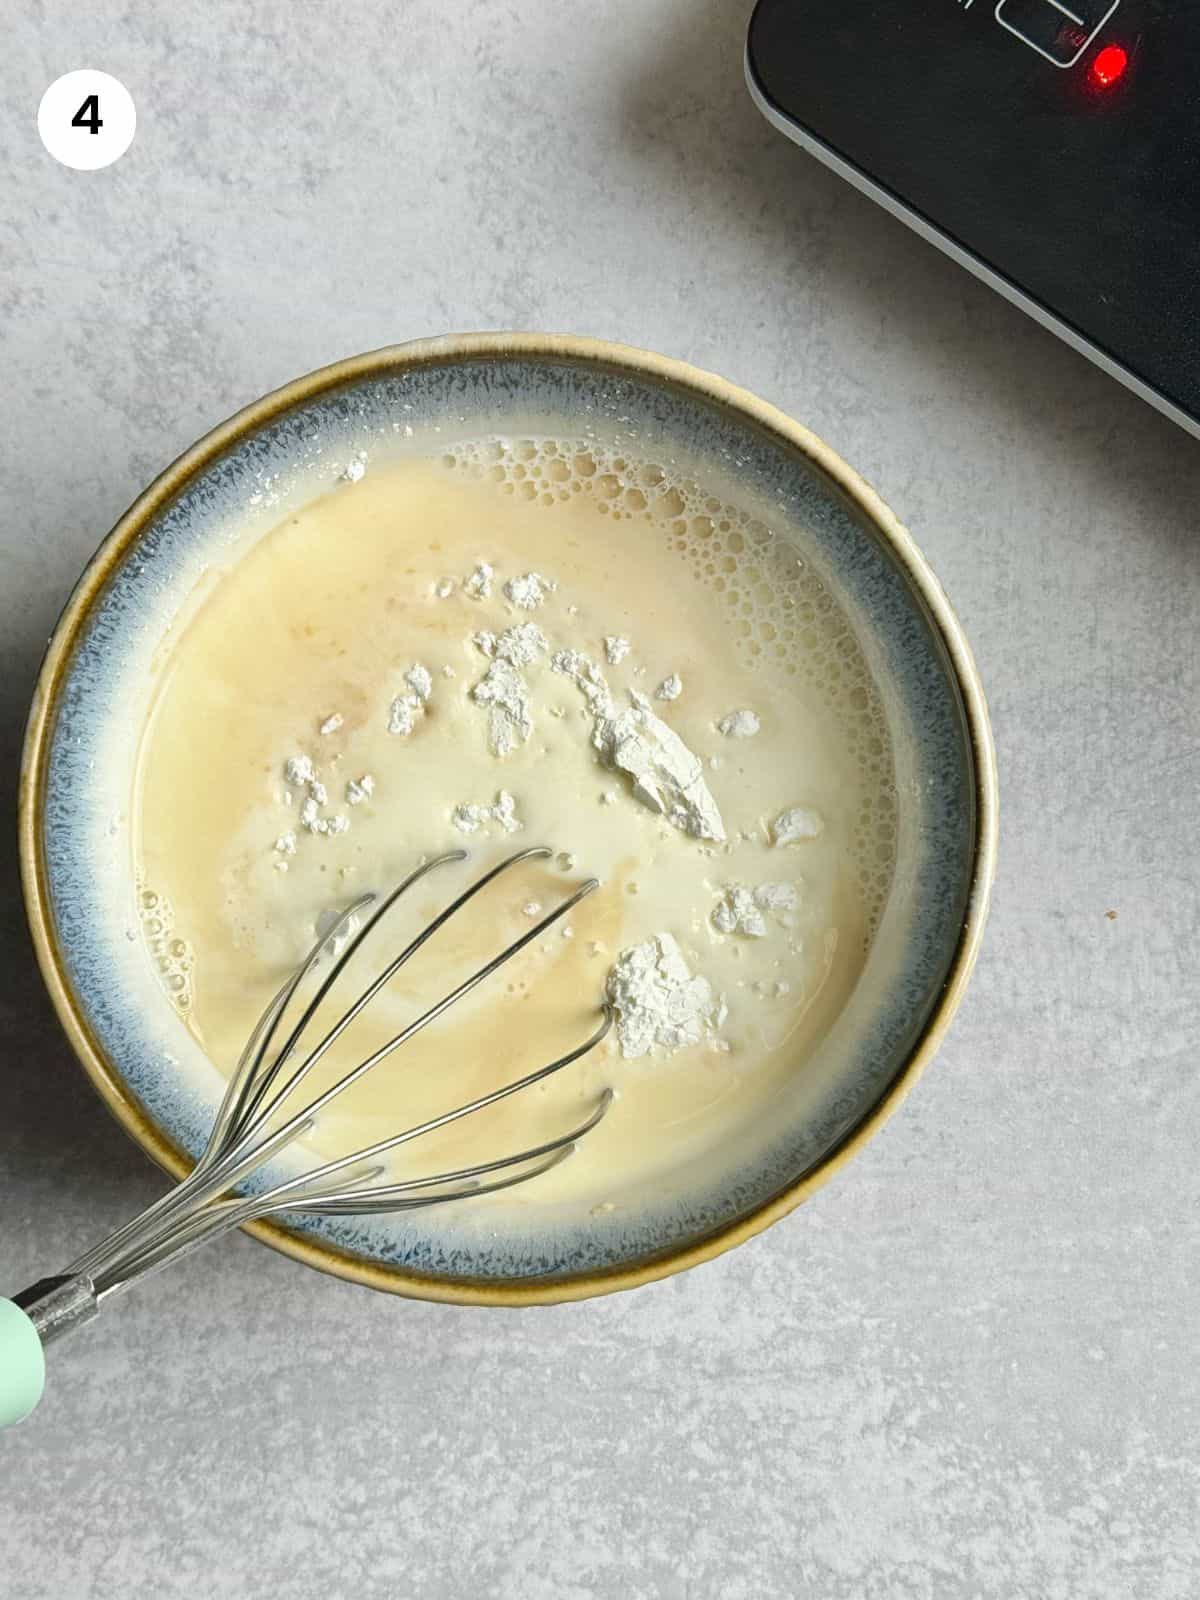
80, 753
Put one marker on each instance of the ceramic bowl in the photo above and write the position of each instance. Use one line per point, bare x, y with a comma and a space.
278, 453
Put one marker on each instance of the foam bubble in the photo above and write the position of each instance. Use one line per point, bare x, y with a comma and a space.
172, 956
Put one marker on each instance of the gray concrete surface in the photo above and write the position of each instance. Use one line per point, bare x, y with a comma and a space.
967, 1369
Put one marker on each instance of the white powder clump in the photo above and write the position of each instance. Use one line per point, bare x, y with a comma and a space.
484, 641
479, 584
798, 823
419, 680
506, 695
529, 591
407, 709
661, 1005
532, 908
444, 588
586, 676
616, 648
737, 913
504, 811
502, 689
666, 775
670, 688
740, 910
356, 468
521, 645
299, 771
311, 819
301, 774
469, 818
403, 713
739, 725
360, 789
333, 723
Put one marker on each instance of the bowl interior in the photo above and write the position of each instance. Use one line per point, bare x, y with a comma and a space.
288, 451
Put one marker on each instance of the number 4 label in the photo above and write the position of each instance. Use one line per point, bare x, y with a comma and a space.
88, 115
87, 119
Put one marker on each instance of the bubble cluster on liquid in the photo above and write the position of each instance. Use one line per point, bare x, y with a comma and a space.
173, 957
784, 620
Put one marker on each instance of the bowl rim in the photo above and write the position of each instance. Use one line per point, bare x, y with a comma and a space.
453, 349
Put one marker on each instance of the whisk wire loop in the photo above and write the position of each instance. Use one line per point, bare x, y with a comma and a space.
209, 1201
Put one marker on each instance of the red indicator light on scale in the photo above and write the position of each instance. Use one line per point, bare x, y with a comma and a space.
1109, 66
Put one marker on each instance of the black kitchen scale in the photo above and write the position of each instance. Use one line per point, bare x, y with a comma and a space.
1050, 146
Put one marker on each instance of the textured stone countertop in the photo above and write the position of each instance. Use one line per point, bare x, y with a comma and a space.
968, 1367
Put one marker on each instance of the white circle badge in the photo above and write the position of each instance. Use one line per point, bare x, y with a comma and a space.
87, 119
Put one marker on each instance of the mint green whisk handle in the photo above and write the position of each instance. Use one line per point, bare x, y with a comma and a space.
28, 1324
22, 1363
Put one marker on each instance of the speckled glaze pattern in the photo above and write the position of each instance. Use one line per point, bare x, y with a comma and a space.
294, 447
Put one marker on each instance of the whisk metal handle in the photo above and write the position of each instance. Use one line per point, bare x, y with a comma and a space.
40, 1314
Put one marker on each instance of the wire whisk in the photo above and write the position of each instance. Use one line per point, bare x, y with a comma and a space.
256, 1123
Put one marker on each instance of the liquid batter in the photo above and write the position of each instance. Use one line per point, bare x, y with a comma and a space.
319, 728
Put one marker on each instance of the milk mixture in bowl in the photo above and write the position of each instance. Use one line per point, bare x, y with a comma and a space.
527, 641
